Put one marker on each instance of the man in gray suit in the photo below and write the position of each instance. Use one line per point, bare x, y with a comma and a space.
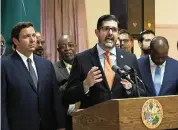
67, 51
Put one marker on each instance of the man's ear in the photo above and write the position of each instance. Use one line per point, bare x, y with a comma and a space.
15, 41
140, 44
97, 32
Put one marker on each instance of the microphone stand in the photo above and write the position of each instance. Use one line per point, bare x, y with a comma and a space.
136, 81
124, 76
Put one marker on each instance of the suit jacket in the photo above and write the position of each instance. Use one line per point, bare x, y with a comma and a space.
62, 79
25, 107
100, 92
170, 80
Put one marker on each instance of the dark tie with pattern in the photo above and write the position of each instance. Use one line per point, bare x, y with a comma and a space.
32, 72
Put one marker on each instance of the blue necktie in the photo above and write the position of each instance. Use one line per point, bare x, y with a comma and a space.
32, 72
157, 80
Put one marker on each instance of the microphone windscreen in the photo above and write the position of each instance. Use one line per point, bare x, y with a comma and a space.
127, 68
115, 68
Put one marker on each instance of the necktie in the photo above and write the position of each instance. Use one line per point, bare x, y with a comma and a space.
157, 80
69, 67
32, 72
107, 69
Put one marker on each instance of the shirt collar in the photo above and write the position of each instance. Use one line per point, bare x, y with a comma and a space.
101, 51
67, 64
152, 64
24, 57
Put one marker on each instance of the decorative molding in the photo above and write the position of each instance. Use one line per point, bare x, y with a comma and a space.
167, 26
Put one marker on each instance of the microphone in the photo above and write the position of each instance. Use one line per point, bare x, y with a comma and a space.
132, 71
122, 73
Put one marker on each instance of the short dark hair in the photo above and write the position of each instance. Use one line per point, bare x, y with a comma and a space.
125, 31
18, 27
140, 38
104, 18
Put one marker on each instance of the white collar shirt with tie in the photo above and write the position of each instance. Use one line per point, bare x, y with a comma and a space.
153, 69
24, 59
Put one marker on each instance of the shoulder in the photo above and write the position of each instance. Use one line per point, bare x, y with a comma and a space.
143, 59
58, 65
44, 63
125, 54
6, 59
85, 55
172, 61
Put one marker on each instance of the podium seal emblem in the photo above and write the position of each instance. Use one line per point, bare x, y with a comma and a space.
152, 113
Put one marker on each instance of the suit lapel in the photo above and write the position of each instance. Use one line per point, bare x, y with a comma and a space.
148, 75
165, 75
120, 62
96, 62
21, 66
63, 69
40, 72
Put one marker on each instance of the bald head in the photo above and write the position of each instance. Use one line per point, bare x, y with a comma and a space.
159, 49
64, 38
66, 48
159, 44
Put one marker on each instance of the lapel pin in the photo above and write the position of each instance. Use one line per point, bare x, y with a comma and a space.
122, 56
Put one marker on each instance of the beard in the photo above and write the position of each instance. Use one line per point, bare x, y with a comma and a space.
109, 42
39, 51
146, 51
69, 59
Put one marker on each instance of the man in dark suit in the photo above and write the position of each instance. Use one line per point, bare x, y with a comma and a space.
144, 40
30, 99
40, 45
92, 80
126, 41
67, 51
158, 70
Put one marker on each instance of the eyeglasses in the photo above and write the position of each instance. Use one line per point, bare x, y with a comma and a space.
64, 46
124, 40
107, 29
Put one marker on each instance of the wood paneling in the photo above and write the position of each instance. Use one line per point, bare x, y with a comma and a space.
149, 15
134, 15
125, 114
135, 24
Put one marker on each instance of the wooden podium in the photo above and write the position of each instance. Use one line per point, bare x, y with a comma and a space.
125, 114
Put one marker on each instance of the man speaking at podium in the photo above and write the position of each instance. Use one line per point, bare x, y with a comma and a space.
92, 80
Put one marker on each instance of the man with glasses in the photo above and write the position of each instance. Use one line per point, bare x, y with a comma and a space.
92, 80
67, 50
3, 45
144, 40
126, 41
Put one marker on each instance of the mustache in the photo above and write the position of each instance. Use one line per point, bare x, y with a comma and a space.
109, 38
39, 48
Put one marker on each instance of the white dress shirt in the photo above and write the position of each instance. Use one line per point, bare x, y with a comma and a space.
101, 55
24, 59
153, 68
